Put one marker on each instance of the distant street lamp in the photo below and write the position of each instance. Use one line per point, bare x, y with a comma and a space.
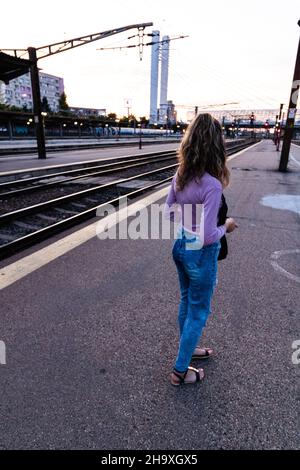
44, 114
78, 128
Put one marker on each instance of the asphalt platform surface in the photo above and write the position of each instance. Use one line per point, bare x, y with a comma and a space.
91, 337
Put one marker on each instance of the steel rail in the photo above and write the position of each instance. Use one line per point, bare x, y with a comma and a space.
24, 241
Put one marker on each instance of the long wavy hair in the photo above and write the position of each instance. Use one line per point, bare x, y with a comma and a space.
202, 149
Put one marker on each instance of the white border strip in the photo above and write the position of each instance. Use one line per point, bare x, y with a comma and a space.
294, 159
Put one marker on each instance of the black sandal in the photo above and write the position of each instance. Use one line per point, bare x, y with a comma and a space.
182, 378
203, 356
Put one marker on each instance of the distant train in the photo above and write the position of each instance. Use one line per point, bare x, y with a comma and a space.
20, 129
123, 131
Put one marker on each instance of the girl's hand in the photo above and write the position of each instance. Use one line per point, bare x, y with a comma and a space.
230, 224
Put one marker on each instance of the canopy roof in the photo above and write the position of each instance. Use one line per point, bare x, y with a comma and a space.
12, 67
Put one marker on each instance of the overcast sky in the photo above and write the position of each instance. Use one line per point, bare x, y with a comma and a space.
236, 50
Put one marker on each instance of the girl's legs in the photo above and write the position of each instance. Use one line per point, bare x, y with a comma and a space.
178, 255
198, 310
184, 289
202, 275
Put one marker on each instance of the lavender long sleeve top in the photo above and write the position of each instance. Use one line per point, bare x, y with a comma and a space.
207, 191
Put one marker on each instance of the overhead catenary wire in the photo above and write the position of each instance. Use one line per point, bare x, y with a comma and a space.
150, 43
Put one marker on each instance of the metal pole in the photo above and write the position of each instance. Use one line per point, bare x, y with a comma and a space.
280, 111
290, 120
279, 127
275, 130
36, 99
140, 139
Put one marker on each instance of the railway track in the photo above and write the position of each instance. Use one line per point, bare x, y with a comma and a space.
28, 225
6, 152
22, 186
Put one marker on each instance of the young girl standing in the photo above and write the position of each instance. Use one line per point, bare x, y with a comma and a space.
200, 179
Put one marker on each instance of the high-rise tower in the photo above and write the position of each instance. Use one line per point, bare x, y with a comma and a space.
154, 76
164, 75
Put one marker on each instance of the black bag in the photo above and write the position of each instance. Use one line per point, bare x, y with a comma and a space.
222, 216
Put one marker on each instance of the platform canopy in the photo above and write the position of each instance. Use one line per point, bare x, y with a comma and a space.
12, 67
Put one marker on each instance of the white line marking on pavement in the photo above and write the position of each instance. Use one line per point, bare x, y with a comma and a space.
294, 159
296, 146
276, 255
19, 269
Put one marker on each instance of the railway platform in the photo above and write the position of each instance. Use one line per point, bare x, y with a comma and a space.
90, 330
31, 161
